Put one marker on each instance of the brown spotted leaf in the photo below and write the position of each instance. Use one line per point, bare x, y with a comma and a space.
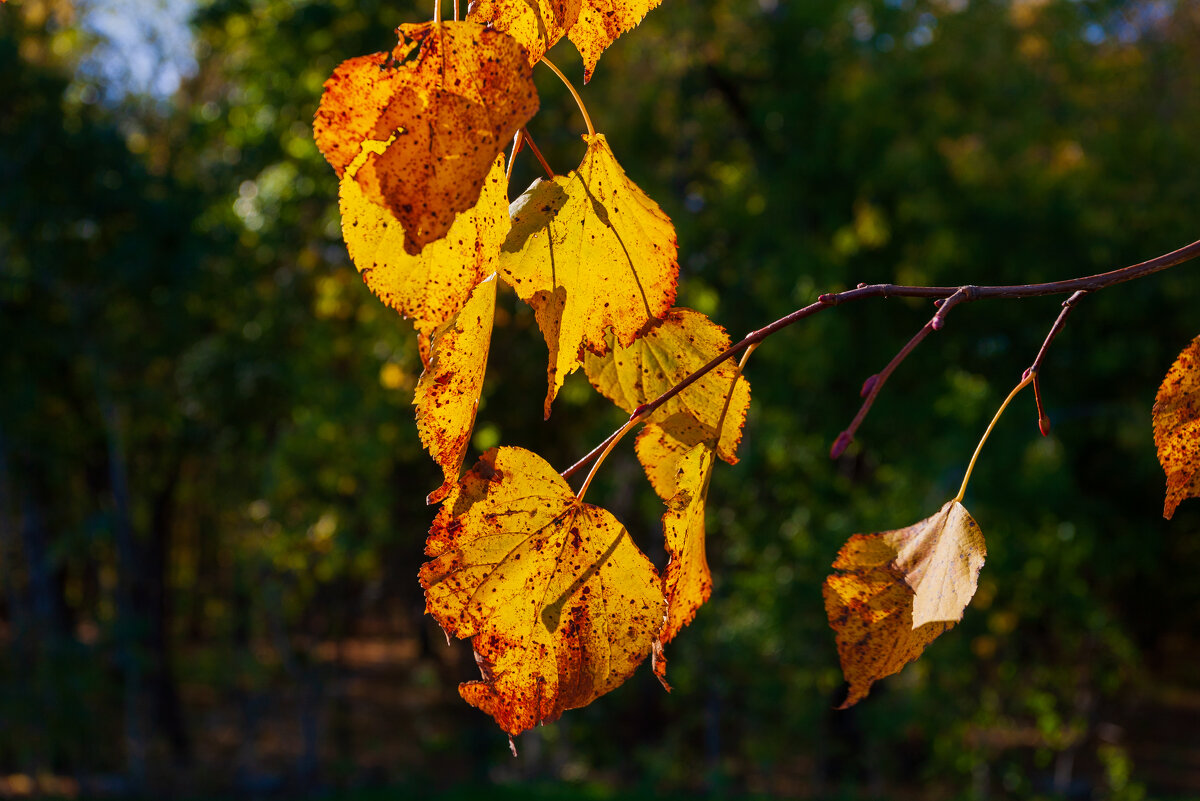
447, 394
1177, 428
447, 99
601, 22
536, 24
590, 252
687, 582
430, 287
631, 376
560, 603
896, 591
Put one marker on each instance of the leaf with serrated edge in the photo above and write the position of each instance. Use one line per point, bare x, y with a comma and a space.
1177, 428
447, 394
448, 98
560, 603
601, 22
536, 24
897, 591
687, 582
589, 251
430, 287
631, 376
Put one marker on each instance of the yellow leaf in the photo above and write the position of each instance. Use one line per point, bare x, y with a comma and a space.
601, 22
430, 287
683, 342
687, 583
536, 24
448, 99
589, 251
560, 603
1177, 428
447, 394
898, 590
659, 453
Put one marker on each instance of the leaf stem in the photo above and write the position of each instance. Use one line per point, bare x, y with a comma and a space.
512, 157
437, 12
538, 153
609, 444
456, 10
578, 100
1025, 381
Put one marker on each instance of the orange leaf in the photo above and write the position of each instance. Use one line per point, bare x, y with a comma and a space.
447, 394
1177, 428
687, 582
536, 24
432, 286
683, 342
561, 604
898, 590
601, 22
448, 99
589, 251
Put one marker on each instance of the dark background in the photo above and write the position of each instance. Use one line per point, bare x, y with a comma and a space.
212, 492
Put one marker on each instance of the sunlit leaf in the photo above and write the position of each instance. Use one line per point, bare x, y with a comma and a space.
447, 394
600, 24
589, 251
430, 287
1177, 428
685, 340
448, 99
687, 583
536, 24
898, 590
561, 604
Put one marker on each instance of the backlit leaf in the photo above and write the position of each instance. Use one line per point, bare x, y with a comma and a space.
684, 341
589, 251
560, 603
1177, 428
430, 287
448, 99
536, 24
447, 394
898, 590
687, 583
601, 22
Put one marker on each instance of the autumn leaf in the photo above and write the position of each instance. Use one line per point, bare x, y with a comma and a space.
687, 582
898, 590
536, 24
589, 251
633, 375
430, 287
1177, 428
447, 393
448, 99
560, 603
600, 24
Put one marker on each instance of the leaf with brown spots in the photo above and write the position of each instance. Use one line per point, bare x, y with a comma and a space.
631, 376
536, 24
447, 394
589, 251
687, 582
447, 99
600, 24
560, 603
898, 590
430, 287
1177, 428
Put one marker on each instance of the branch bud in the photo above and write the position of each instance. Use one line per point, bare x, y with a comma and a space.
840, 444
868, 385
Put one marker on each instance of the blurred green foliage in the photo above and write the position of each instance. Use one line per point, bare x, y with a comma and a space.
211, 490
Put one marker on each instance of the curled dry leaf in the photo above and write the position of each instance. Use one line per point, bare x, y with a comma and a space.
430, 287
896, 591
589, 251
601, 22
635, 374
447, 394
448, 99
560, 603
536, 24
1177, 428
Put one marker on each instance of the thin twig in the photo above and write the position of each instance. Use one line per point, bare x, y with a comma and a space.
1035, 368
541, 159
1089, 283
